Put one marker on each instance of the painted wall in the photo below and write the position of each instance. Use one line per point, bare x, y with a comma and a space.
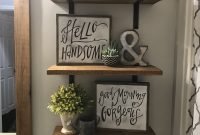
157, 29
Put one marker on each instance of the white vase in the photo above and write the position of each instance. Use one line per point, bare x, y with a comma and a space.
66, 120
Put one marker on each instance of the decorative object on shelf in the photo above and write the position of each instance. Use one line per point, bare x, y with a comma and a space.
68, 101
66, 120
87, 127
110, 56
122, 106
128, 49
81, 39
87, 123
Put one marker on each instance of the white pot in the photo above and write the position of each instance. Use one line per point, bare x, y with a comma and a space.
66, 120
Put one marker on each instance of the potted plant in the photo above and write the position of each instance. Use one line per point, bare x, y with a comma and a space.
68, 101
110, 56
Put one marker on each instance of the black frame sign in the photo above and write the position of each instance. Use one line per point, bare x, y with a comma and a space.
122, 106
81, 39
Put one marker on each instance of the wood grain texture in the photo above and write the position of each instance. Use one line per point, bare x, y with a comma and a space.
110, 1
22, 66
103, 70
111, 132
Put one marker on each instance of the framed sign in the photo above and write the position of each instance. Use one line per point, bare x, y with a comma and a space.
122, 106
81, 39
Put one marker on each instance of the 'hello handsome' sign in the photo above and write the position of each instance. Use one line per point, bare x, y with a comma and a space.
121, 106
81, 39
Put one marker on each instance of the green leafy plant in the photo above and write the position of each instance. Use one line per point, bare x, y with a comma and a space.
68, 99
111, 50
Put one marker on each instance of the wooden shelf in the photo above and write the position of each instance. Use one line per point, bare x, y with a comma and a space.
110, 132
103, 70
109, 1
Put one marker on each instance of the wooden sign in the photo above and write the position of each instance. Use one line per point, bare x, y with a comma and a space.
81, 39
122, 106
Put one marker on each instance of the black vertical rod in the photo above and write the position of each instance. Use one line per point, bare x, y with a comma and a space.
136, 7
71, 79
71, 11
71, 6
136, 10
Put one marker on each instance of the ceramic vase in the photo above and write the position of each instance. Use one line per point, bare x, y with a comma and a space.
110, 60
66, 120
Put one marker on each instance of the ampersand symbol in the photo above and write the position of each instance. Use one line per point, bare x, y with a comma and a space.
138, 58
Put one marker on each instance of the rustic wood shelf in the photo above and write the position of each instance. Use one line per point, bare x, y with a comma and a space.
103, 70
109, 1
110, 132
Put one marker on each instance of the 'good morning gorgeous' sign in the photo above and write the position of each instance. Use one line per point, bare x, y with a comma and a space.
121, 106
81, 39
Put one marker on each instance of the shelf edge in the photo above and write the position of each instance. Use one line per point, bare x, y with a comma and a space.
61, 70
99, 2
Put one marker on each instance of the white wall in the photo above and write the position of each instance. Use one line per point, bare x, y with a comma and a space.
157, 29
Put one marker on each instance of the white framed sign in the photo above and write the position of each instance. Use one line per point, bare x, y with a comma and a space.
122, 106
81, 39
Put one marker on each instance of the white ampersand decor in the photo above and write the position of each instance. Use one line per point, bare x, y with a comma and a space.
128, 48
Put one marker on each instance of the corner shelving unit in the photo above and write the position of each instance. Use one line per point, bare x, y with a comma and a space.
133, 71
